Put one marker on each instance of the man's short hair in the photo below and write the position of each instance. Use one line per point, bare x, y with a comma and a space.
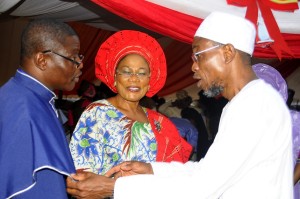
40, 34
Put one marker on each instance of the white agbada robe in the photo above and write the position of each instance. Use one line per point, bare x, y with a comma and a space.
251, 157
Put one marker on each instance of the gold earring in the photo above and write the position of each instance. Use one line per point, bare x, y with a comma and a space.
115, 84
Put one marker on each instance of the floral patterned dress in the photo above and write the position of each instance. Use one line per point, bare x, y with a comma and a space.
105, 137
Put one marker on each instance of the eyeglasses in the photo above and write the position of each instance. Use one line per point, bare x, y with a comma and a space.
196, 54
76, 63
127, 74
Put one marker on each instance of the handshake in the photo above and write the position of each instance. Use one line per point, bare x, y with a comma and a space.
83, 185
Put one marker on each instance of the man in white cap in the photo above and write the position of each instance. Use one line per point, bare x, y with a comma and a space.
251, 156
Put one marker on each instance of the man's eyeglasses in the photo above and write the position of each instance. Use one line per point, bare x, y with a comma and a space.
76, 63
127, 74
196, 54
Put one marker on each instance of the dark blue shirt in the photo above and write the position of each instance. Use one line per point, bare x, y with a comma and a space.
34, 153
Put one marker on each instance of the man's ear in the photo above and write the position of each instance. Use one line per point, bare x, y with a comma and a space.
40, 61
229, 53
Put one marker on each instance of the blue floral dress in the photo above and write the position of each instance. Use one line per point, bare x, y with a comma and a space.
105, 137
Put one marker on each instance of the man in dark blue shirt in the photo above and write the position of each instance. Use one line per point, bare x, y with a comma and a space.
35, 157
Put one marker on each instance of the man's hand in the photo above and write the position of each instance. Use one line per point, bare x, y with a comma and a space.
90, 185
129, 168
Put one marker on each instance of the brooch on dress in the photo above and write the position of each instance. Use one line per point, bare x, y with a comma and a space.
158, 123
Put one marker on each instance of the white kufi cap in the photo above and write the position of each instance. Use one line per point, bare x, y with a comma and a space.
225, 28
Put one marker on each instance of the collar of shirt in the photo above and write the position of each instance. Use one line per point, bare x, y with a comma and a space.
37, 87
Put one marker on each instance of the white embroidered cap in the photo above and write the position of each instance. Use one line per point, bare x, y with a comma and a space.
225, 28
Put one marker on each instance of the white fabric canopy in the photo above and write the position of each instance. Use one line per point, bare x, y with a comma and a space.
288, 22
7, 4
38, 7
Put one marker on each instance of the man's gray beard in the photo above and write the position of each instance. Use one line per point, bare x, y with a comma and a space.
213, 91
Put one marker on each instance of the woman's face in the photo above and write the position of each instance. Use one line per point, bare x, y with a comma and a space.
132, 77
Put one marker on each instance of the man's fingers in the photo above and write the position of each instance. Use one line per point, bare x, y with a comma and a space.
71, 181
73, 192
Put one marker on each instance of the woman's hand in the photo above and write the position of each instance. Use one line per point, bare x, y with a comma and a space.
129, 168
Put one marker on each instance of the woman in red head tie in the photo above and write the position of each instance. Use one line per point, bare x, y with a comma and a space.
117, 129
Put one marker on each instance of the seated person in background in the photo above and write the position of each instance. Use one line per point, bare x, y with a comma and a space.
148, 102
174, 108
169, 109
117, 129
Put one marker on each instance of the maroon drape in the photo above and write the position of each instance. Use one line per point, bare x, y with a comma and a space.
179, 62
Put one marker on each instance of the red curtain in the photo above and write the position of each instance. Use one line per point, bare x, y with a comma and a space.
167, 22
179, 62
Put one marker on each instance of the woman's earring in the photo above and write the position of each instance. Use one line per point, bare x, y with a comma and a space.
115, 84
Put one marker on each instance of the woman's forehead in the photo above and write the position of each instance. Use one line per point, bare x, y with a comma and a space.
134, 60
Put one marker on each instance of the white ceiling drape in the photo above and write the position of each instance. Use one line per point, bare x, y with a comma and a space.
38, 7
7, 4
201, 8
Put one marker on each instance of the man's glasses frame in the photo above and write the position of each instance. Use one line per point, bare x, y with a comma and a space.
76, 63
196, 54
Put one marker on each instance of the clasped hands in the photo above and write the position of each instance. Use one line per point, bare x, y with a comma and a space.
83, 185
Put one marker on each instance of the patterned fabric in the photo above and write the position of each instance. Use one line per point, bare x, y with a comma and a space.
170, 145
105, 137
